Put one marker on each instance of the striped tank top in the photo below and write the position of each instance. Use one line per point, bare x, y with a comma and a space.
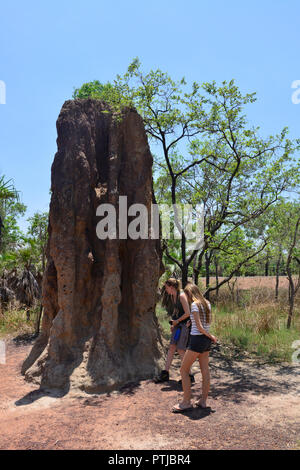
206, 326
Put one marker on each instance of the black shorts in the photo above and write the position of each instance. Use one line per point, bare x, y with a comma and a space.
199, 343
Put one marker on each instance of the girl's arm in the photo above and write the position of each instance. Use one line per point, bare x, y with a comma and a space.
200, 326
186, 309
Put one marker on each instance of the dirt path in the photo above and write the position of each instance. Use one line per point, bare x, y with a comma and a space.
252, 407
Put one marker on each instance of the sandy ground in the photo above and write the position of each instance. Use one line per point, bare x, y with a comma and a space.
252, 406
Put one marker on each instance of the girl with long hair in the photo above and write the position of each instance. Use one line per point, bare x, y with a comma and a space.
175, 301
198, 347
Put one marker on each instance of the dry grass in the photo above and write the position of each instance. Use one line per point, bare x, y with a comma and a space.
253, 291
252, 282
249, 320
16, 321
259, 329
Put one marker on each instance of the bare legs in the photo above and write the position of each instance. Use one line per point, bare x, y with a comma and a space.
204, 366
188, 360
170, 355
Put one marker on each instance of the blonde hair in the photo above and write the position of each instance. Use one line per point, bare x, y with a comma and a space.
194, 295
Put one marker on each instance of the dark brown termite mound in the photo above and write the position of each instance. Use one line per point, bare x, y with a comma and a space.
99, 328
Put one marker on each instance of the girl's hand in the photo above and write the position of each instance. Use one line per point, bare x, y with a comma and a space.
213, 338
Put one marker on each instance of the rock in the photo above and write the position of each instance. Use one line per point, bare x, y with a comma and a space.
99, 328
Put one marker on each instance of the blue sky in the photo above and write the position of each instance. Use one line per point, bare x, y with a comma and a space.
48, 48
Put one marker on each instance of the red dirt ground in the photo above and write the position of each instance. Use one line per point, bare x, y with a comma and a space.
253, 406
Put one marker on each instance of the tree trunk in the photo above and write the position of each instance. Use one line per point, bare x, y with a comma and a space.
38, 321
184, 276
267, 267
217, 278
198, 268
277, 276
292, 290
184, 264
207, 273
291, 300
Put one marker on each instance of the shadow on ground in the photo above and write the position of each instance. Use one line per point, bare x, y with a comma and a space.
25, 339
233, 378
35, 395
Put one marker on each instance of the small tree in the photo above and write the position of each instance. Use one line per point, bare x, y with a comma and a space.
8, 193
38, 234
293, 226
207, 154
283, 228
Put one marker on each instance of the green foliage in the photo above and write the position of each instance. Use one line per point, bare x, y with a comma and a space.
37, 237
259, 331
7, 189
209, 154
9, 207
16, 321
11, 234
111, 94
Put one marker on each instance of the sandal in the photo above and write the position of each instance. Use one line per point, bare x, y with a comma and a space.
181, 409
198, 404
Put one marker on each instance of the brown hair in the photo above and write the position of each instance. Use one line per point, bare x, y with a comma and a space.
166, 298
194, 295
172, 282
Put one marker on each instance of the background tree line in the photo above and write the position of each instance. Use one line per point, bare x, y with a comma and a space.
206, 152
22, 255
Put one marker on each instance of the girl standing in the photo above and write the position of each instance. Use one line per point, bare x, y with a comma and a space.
198, 348
177, 304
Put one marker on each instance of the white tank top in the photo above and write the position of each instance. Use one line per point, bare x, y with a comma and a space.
194, 329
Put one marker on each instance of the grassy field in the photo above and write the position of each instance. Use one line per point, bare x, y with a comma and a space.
16, 322
259, 331
249, 321
252, 282
245, 321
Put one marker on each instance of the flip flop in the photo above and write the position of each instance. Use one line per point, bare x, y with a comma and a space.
179, 409
202, 407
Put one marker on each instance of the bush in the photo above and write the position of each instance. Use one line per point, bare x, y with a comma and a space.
260, 331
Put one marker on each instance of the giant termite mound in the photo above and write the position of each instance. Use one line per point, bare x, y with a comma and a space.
99, 328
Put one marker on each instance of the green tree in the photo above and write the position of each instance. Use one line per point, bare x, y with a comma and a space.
38, 235
207, 153
108, 92
8, 193
285, 234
